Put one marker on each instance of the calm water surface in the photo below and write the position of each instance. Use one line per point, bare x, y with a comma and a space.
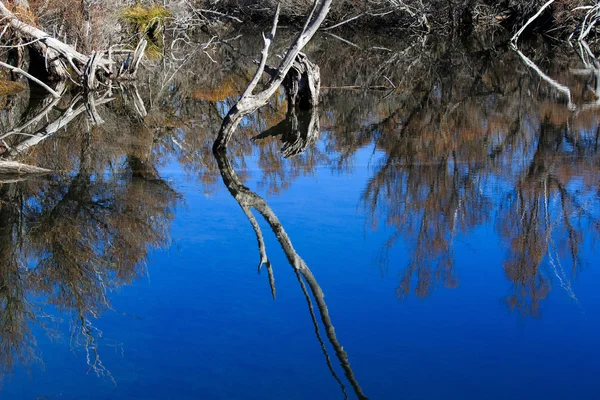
434, 240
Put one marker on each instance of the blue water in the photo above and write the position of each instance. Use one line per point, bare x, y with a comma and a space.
203, 324
420, 249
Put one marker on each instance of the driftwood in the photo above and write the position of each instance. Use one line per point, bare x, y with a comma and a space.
303, 83
59, 56
300, 128
52, 48
250, 102
17, 168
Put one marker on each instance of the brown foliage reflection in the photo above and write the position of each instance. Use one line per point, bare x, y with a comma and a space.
68, 241
466, 120
465, 134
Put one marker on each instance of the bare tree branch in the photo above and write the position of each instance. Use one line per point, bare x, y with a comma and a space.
30, 77
249, 102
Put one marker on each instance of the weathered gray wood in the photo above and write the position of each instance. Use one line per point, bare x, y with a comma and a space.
250, 102
17, 168
58, 55
303, 83
31, 77
64, 50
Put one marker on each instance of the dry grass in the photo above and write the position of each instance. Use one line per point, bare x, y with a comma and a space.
149, 21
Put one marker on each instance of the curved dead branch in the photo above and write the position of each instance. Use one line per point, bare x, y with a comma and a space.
250, 102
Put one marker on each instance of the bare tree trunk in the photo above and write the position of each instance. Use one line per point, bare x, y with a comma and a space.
303, 83
250, 102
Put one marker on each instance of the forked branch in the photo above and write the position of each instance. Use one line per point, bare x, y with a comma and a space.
250, 102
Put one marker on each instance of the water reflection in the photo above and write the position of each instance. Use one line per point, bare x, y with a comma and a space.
464, 144
465, 136
67, 241
248, 200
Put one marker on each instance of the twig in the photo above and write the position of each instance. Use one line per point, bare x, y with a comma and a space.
343, 40
343, 22
31, 77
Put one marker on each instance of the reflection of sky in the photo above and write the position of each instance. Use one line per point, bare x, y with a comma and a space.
204, 326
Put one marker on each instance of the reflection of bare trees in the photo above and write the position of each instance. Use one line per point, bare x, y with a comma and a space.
16, 341
427, 184
297, 131
249, 200
545, 216
428, 206
457, 124
458, 121
73, 239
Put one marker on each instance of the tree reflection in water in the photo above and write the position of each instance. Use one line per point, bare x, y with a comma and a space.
451, 137
470, 136
67, 242
249, 200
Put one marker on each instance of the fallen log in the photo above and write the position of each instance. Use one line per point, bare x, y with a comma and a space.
17, 168
59, 56
52, 49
